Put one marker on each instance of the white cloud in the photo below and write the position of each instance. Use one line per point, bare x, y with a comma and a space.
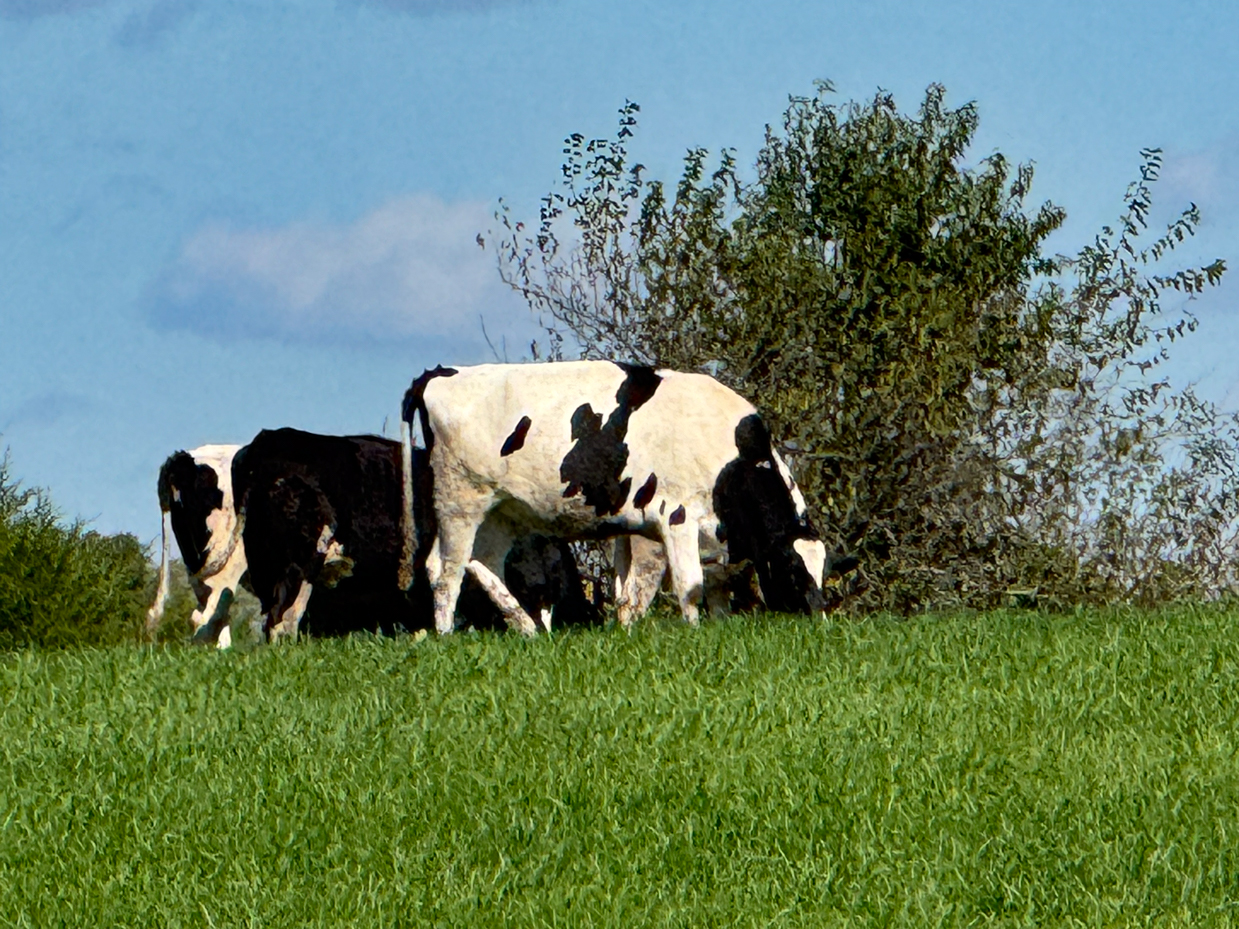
410, 269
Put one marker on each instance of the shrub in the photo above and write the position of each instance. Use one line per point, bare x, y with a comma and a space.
60, 584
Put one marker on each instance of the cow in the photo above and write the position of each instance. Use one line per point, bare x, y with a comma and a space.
196, 502
322, 519
591, 449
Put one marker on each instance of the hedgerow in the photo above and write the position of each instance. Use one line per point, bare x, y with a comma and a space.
60, 583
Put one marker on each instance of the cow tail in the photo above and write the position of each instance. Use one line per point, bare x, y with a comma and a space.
414, 405
155, 614
404, 574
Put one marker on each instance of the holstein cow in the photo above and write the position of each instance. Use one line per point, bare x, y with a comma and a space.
195, 497
322, 520
591, 449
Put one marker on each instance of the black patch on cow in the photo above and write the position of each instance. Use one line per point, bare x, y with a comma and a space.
541, 573
414, 400
753, 440
516, 440
594, 464
662, 508
645, 493
677, 516
189, 492
638, 386
758, 521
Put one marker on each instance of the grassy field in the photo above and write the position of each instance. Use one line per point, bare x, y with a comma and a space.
999, 769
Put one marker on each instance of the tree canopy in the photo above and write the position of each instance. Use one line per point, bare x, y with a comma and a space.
973, 417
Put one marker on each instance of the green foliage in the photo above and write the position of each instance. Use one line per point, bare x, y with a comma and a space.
966, 413
61, 585
1009, 768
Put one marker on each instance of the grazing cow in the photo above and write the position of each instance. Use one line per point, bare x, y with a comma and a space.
196, 500
322, 520
591, 449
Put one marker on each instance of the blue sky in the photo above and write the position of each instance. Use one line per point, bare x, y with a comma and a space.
218, 216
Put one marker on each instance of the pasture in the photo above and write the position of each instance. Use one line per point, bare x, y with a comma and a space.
1009, 768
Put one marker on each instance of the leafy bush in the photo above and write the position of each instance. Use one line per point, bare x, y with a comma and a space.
61, 585
973, 417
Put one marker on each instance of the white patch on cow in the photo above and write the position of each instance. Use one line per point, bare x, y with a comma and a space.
802, 509
546, 619
336, 564
225, 638
329, 547
813, 553
222, 522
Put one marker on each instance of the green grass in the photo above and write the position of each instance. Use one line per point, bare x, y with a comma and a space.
999, 769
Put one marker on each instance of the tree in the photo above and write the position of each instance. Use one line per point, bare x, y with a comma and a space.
950, 395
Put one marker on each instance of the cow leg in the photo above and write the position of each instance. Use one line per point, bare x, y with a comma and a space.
639, 569
211, 621
213, 616
684, 562
513, 614
290, 616
457, 532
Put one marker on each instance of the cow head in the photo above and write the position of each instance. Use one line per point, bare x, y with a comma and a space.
196, 493
764, 520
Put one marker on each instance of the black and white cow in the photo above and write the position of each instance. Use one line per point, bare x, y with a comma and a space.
322, 521
591, 449
196, 500
320, 515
